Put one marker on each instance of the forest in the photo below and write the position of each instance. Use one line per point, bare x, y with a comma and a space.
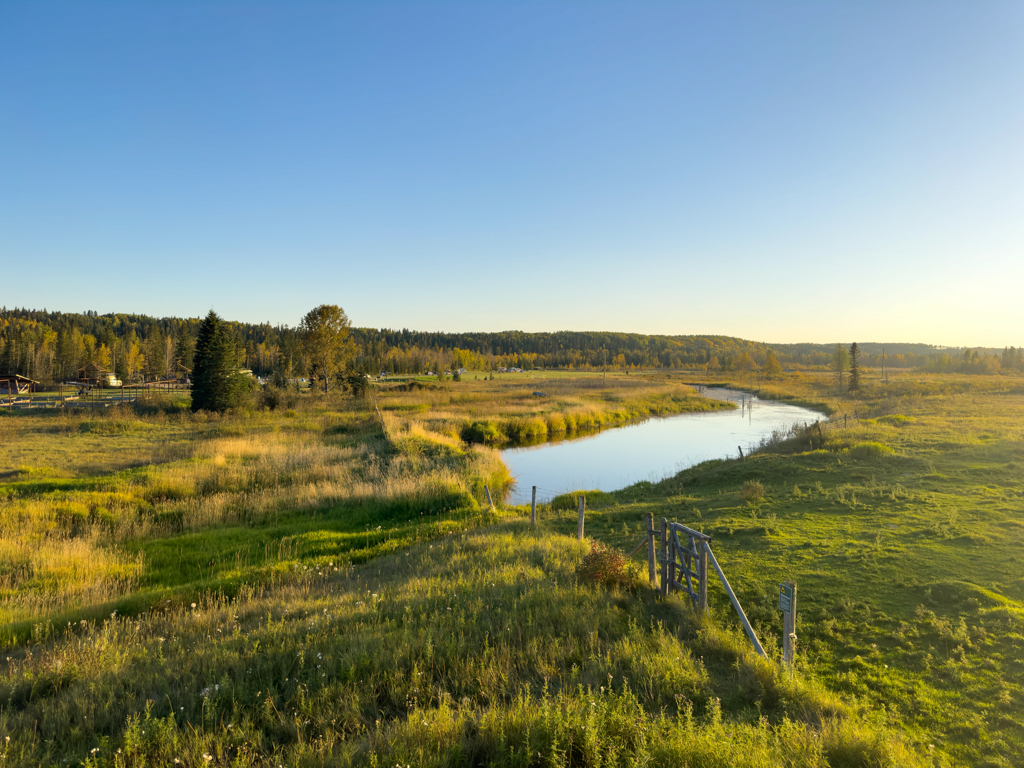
50, 347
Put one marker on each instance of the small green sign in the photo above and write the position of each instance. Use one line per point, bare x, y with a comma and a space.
785, 598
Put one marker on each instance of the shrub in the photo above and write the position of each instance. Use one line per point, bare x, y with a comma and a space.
358, 384
608, 566
752, 491
482, 432
273, 397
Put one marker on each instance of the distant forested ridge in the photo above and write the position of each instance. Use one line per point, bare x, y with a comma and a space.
52, 346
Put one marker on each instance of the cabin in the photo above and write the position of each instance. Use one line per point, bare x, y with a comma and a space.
94, 375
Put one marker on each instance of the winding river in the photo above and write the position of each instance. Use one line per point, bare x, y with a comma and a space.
650, 449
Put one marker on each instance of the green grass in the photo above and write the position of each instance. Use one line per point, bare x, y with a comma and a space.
474, 648
904, 534
902, 531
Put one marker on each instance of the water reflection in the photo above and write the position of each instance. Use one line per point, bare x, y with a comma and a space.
610, 459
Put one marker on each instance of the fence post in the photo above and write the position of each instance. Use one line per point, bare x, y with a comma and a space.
488, 491
652, 573
533, 507
579, 527
702, 577
789, 628
664, 557
673, 553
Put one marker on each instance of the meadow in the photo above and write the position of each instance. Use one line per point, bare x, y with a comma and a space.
317, 585
903, 531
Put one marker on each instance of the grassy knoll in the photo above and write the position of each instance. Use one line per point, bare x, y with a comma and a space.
478, 648
904, 533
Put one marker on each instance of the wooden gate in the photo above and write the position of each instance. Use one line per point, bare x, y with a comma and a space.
689, 559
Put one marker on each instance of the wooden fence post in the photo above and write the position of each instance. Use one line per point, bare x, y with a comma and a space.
579, 526
789, 628
673, 553
702, 576
533, 507
488, 491
664, 557
652, 573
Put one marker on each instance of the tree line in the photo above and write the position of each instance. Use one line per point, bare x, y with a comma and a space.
52, 346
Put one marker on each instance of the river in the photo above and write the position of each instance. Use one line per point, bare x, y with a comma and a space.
650, 449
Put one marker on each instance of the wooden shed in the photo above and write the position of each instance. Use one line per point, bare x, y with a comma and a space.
13, 384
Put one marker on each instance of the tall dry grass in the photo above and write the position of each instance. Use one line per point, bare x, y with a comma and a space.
68, 539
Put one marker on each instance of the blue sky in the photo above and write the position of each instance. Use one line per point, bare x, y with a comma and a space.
776, 171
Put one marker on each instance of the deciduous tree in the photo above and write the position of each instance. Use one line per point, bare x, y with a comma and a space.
326, 339
840, 360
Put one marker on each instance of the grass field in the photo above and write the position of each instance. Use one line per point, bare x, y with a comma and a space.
354, 603
903, 532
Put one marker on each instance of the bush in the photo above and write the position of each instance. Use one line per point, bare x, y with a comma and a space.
752, 491
482, 432
358, 384
273, 397
608, 566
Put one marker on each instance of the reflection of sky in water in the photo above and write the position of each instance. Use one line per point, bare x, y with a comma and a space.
648, 450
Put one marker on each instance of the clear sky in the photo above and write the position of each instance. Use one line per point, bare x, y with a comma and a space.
776, 171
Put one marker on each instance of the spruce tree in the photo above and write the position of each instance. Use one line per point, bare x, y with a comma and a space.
216, 382
854, 367
183, 351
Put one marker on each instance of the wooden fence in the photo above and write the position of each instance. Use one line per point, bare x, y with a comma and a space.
685, 552
681, 558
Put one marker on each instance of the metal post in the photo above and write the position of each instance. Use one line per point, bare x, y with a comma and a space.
488, 491
579, 526
533, 507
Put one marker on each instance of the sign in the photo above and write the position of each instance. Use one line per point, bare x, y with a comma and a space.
786, 598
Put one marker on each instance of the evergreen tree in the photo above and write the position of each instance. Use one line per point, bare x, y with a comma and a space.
183, 346
854, 367
216, 383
